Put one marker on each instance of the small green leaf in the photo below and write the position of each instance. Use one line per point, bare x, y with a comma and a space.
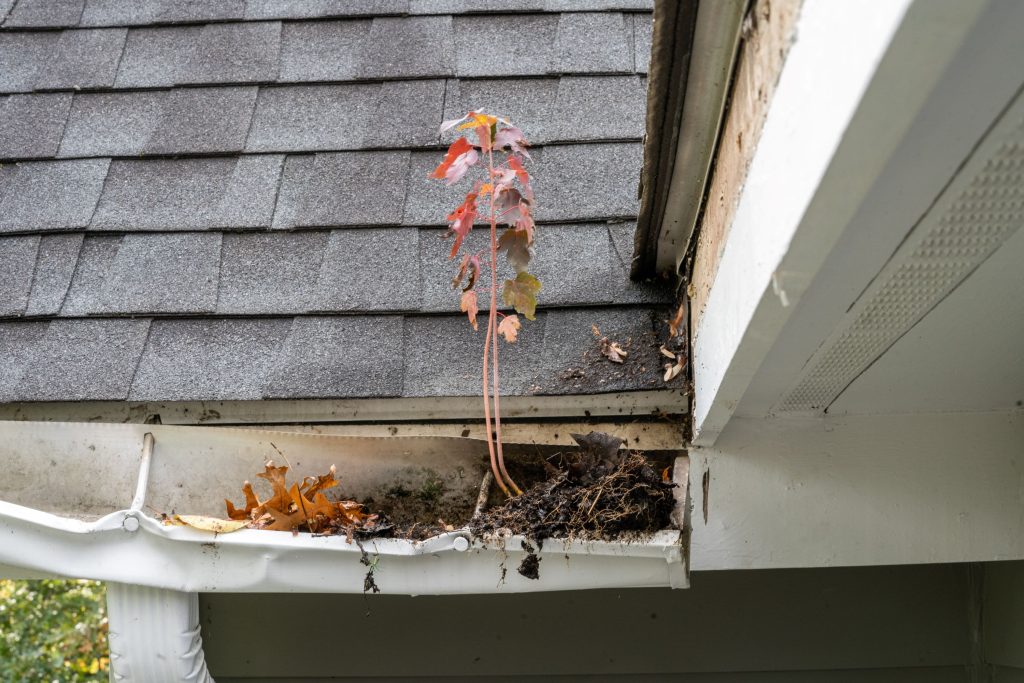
521, 294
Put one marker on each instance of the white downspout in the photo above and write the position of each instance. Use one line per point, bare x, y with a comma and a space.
154, 635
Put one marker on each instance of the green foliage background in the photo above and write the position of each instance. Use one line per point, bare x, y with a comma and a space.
53, 631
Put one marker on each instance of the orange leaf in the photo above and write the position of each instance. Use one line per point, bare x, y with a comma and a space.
677, 324
477, 119
285, 521
251, 503
509, 327
275, 475
311, 485
469, 306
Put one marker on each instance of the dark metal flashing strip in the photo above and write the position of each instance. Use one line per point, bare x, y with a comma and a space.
307, 411
671, 47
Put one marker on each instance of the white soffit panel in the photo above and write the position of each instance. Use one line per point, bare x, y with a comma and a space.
965, 355
981, 208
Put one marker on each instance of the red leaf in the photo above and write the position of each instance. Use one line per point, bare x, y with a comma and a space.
462, 221
470, 265
512, 137
469, 306
522, 175
460, 157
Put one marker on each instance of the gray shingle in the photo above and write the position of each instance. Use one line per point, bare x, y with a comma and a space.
112, 124
571, 261
322, 117
463, 6
581, 5
599, 108
132, 12
172, 273
18, 341
58, 256
51, 195
83, 360
404, 47
579, 52
571, 182
322, 50
299, 9
587, 181
443, 357
208, 359
23, 56
343, 188
642, 29
528, 103
421, 104
156, 57
95, 257
251, 192
526, 44
270, 273
569, 108
235, 53
628, 291
31, 125
343, 357
189, 194
311, 117
17, 262
572, 360
206, 120
48, 13
84, 59
5, 7
370, 270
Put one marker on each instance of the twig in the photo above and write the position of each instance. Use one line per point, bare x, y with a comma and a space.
485, 492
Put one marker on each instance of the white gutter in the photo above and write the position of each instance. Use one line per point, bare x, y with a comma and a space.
155, 571
133, 548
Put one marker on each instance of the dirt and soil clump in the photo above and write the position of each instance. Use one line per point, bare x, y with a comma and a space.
590, 498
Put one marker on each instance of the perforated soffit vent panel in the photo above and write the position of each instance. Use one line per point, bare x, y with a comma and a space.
979, 210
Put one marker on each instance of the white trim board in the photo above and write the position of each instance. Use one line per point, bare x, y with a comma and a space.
856, 93
864, 490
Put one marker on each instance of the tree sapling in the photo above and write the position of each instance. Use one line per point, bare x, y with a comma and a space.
505, 187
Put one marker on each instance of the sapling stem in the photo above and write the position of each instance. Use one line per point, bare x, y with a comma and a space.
492, 329
487, 409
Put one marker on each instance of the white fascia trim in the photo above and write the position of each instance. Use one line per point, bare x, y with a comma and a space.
155, 636
831, 127
131, 548
843, 491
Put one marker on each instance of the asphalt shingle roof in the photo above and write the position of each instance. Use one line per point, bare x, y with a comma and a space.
228, 200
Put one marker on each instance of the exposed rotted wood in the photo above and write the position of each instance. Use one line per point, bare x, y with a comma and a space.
768, 32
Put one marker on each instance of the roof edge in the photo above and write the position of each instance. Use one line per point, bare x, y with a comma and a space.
691, 69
